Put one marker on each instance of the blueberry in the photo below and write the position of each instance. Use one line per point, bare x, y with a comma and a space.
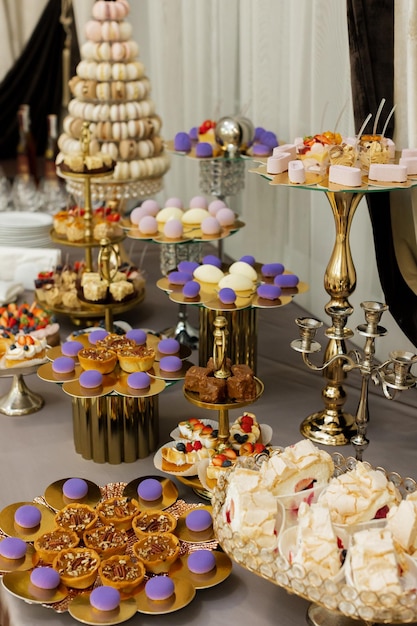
226, 463
26, 348
180, 447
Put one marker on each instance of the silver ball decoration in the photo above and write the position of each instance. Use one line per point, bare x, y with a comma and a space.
228, 133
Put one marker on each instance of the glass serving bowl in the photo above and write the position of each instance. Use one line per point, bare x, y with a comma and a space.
336, 596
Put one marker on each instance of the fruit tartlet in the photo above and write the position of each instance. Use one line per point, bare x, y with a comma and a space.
24, 349
50, 544
118, 511
100, 359
122, 572
136, 358
76, 517
106, 540
183, 456
153, 521
244, 429
78, 567
158, 551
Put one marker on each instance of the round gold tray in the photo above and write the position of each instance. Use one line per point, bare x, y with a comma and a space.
331, 599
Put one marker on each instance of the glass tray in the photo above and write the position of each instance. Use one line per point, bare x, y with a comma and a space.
335, 597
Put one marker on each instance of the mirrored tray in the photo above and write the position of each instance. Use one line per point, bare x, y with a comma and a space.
334, 603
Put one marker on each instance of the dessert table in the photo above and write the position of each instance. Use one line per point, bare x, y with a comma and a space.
37, 449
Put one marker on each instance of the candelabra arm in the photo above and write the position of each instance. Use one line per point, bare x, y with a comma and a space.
349, 365
359, 440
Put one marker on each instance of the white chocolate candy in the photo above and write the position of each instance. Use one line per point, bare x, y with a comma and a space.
296, 172
194, 216
243, 268
207, 273
237, 282
345, 175
388, 172
286, 147
168, 213
278, 163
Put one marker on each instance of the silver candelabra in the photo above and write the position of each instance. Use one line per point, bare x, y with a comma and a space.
393, 375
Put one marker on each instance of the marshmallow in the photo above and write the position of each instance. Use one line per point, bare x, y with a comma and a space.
286, 147
279, 163
345, 175
411, 164
409, 152
296, 172
388, 172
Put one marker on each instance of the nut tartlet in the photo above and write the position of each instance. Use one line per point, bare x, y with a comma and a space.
158, 551
136, 359
76, 517
121, 572
50, 544
153, 521
100, 359
118, 511
78, 567
106, 540
115, 342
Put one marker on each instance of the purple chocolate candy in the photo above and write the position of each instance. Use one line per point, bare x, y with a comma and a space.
63, 365
179, 278
139, 380
182, 142
91, 379
139, 336
203, 150
150, 489
269, 292
75, 488
193, 133
198, 520
201, 561
168, 346
105, 598
191, 289
268, 138
286, 280
188, 266
211, 259
97, 335
13, 548
27, 516
249, 259
227, 295
45, 578
71, 348
272, 269
159, 588
170, 364
260, 149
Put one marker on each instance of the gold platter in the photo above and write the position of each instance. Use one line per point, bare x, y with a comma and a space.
46, 372
8, 526
123, 389
216, 576
19, 585
74, 389
169, 493
81, 610
184, 593
55, 498
18, 565
187, 535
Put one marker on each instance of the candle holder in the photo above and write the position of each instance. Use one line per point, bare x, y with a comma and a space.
393, 375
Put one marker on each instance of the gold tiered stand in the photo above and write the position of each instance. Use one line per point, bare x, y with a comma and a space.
332, 425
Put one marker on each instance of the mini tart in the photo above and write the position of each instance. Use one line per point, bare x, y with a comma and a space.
50, 544
122, 572
115, 342
6, 340
76, 517
136, 359
100, 359
118, 511
78, 567
153, 521
106, 540
158, 551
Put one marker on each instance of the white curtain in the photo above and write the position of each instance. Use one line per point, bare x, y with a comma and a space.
284, 64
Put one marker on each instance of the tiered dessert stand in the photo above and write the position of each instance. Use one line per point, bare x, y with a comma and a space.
332, 425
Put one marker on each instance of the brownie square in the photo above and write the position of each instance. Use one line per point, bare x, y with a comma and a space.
213, 390
241, 388
194, 377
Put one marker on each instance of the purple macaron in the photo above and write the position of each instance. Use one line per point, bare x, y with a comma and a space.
105, 598
90, 379
75, 488
150, 489
159, 588
13, 548
63, 365
198, 520
71, 348
45, 578
139, 336
201, 561
139, 380
27, 516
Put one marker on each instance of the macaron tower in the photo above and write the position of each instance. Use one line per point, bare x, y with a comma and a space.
112, 92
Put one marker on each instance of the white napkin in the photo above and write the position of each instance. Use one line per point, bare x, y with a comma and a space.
9, 290
22, 265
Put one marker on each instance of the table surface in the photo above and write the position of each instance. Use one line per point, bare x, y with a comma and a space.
37, 449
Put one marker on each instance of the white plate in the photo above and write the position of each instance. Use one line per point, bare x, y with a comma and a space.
21, 220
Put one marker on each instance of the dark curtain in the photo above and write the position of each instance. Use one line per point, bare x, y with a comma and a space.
371, 44
36, 79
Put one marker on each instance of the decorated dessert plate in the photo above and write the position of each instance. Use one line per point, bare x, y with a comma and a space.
46, 372
169, 493
184, 593
18, 565
19, 585
157, 372
80, 609
187, 535
123, 388
217, 575
55, 498
157, 460
8, 526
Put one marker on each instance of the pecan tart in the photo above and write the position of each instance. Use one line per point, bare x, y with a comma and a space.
50, 544
106, 540
78, 567
100, 359
118, 511
121, 572
158, 551
77, 517
153, 521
